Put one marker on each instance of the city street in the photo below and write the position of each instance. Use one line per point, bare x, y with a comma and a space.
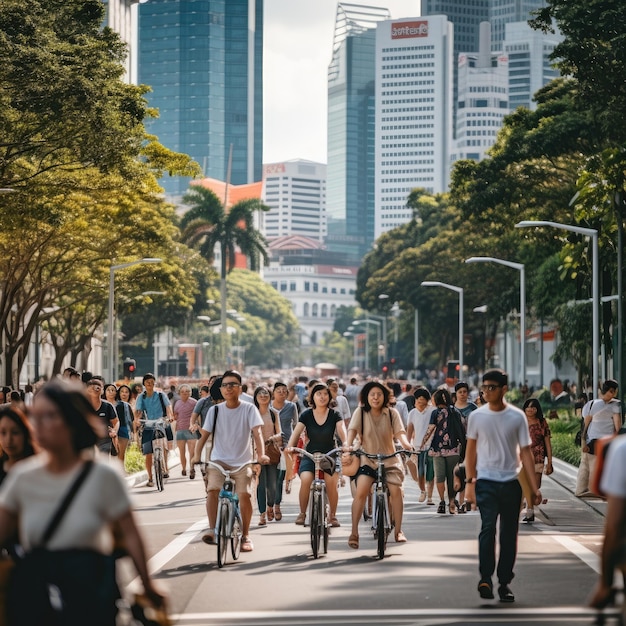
429, 580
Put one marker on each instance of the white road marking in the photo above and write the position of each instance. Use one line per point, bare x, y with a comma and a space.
587, 556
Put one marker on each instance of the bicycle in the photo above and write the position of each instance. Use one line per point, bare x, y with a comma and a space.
382, 515
159, 441
319, 508
228, 525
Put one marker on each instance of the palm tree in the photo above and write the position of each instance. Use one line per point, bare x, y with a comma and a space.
208, 223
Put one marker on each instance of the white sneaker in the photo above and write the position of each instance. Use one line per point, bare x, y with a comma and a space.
422, 497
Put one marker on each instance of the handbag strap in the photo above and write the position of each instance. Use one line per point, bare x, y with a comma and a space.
67, 500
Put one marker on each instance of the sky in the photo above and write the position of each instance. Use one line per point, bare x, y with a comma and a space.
298, 40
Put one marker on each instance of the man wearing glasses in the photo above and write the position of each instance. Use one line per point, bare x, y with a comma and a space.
231, 423
497, 439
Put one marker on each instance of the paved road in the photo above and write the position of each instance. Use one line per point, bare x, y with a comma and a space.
429, 580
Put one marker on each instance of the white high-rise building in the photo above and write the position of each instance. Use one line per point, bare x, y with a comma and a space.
530, 67
296, 192
121, 16
482, 99
414, 80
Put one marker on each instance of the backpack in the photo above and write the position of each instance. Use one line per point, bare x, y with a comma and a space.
160, 394
457, 430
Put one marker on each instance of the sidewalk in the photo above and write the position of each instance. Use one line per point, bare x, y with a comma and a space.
138, 478
565, 475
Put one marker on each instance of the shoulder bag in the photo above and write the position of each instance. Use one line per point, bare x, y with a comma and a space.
62, 587
272, 447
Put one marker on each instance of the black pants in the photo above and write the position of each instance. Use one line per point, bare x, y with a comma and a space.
495, 500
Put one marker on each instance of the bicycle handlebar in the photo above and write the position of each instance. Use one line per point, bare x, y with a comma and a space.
226, 472
376, 457
311, 455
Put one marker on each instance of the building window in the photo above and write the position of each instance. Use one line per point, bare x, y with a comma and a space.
274, 284
314, 337
314, 310
324, 289
315, 287
333, 310
305, 309
324, 310
307, 285
292, 285
283, 285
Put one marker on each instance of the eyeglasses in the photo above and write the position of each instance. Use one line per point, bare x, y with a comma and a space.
490, 387
263, 393
230, 385
96, 387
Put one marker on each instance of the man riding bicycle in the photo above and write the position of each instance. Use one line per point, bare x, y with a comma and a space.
231, 423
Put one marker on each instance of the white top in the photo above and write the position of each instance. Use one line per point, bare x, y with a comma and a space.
602, 424
34, 494
343, 408
499, 437
613, 481
403, 410
232, 443
420, 421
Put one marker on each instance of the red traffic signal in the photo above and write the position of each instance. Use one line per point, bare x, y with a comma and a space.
129, 368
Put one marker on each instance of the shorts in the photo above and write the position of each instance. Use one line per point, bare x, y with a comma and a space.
394, 475
123, 433
306, 465
148, 435
187, 435
243, 480
425, 466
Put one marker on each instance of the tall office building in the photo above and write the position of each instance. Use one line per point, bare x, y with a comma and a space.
350, 181
466, 15
295, 191
530, 67
414, 77
503, 12
121, 16
482, 99
203, 60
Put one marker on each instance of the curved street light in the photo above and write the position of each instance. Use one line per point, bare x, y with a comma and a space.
522, 299
592, 233
459, 290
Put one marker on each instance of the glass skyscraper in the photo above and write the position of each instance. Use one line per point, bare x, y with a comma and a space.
351, 130
203, 60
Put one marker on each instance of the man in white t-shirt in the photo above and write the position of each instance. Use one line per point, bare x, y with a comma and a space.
613, 483
602, 418
231, 448
497, 438
418, 421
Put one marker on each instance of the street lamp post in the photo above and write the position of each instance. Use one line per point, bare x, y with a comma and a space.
377, 324
522, 298
110, 340
592, 233
459, 290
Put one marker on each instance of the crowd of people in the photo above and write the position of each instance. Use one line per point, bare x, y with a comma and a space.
472, 449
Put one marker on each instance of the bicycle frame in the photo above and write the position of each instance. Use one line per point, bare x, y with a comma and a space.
318, 500
382, 515
159, 442
228, 525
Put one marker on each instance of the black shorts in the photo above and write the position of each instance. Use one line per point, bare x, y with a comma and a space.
148, 435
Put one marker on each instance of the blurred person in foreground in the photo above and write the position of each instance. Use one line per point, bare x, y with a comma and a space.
613, 484
73, 567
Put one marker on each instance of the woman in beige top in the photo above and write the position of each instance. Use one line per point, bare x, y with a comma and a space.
377, 426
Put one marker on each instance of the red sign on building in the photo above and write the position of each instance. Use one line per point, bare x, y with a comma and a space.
408, 30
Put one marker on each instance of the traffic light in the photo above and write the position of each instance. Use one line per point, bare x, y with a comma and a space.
385, 369
129, 368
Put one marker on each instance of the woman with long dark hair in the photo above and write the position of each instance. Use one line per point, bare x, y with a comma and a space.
74, 559
540, 446
17, 439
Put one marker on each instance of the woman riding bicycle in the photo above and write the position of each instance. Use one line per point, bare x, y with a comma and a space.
377, 426
321, 423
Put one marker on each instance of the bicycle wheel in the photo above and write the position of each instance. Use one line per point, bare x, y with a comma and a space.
223, 535
314, 521
325, 517
158, 469
235, 539
381, 534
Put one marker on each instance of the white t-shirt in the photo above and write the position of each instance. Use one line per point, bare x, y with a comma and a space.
602, 424
420, 421
613, 481
232, 439
34, 494
403, 410
343, 408
499, 436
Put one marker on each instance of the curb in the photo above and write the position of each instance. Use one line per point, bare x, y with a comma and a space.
141, 477
565, 475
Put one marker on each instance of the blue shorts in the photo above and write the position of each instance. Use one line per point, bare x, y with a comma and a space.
187, 435
306, 465
148, 435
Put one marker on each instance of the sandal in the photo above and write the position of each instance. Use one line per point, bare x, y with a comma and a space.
270, 513
150, 483
246, 544
192, 474
400, 538
300, 519
334, 522
278, 515
184, 472
262, 520
442, 507
452, 508
353, 542
209, 538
